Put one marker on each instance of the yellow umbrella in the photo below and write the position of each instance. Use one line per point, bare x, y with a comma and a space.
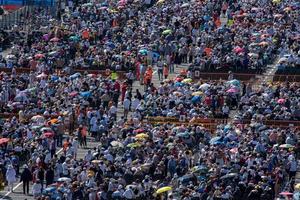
276, 1
297, 186
160, 1
134, 145
197, 93
163, 189
187, 80
96, 161
141, 136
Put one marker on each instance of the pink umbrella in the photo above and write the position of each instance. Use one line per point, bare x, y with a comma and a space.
54, 39
39, 55
238, 50
281, 101
286, 193
73, 94
42, 75
234, 150
231, 90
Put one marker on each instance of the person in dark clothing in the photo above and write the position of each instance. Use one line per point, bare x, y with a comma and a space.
49, 176
26, 177
41, 176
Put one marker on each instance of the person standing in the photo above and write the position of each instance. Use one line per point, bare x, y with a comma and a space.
49, 176
11, 177
160, 70
26, 177
166, 71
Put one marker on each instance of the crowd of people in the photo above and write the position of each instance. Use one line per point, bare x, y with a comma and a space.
135, 158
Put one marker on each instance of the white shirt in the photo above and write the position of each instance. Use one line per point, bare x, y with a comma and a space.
128, 194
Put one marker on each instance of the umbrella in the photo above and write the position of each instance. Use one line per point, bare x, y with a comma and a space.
297, 186
196, 99
46, 129
177, 93
10, 56
50, 189
64, 179
37, 118
282, 60
74, 76
141, 136
39, 55
278, 15
233, 150
198, 93
53, 121
86, 94
48, 134
167, 32
215, 140
185, 5
263, 43
143, 52
96, 161
163, 189
140, 130
183, 134
281, 101
178, 84
286, 193
160, 1
54, 39
230, 175
73, 94
36, 127
276, 1
4, 140
231, 90
199, 169
42, 75
134, 145
238, 50
74, 38
204, 86
287, 9
253, 55
234, 82
286, 146
187, 80
117, 144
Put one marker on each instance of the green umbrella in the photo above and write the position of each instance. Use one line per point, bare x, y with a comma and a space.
134, 145
167, 32
36, 127
74, 38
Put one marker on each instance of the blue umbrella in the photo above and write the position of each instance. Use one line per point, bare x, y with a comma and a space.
54, 78
196, 99
86, 94
74, 76
183, 134
155, 55
178, 84
50, 189
216, 140
110, 45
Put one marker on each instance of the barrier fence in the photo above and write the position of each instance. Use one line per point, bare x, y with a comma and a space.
212, 123
246, 77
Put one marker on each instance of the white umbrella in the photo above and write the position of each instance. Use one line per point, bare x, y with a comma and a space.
42, 75
204, 86
282, 60
64, 179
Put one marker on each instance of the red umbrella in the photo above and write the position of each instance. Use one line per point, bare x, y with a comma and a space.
54, 39
39, 55
238, 50
4, 140
178, 79
140, 130
48, 134
73, 94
